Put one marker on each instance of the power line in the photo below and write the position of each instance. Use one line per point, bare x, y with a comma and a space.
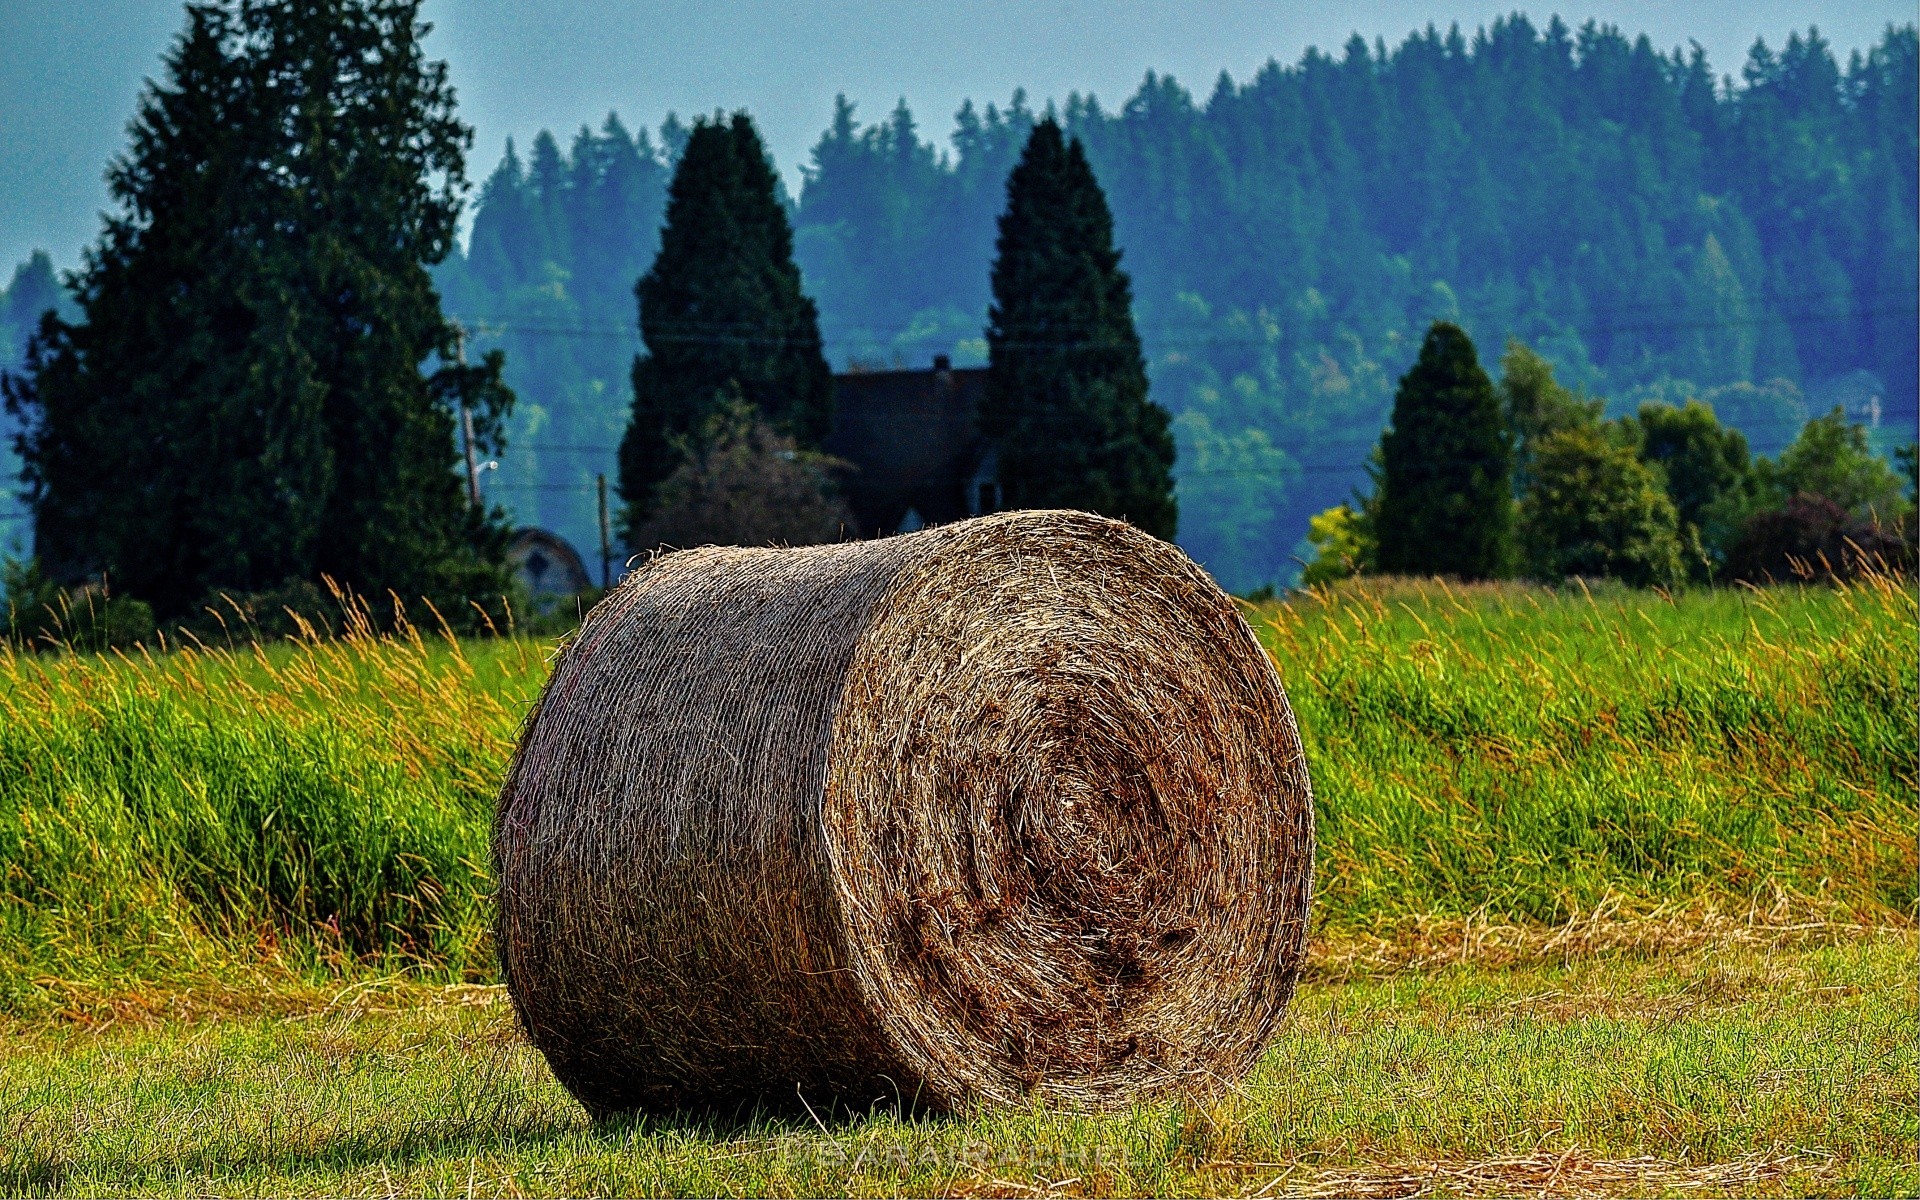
1362, 440
1184, 334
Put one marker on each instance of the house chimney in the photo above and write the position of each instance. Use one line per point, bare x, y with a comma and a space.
942, 363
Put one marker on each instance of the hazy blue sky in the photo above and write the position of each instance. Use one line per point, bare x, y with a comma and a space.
71, 69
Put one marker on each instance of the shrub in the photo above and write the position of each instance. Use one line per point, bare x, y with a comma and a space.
1342, 539
745, 485
41, 614
1811, 537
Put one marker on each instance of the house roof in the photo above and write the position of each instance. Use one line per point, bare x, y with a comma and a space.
913, 439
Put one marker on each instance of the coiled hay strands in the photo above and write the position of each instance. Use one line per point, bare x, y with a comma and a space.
1007, 809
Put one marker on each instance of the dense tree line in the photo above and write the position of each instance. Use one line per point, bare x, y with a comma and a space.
1529, 479
1655, 230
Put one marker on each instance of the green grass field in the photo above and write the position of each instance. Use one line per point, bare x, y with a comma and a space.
1616, 894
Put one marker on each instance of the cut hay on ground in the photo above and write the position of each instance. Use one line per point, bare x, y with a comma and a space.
1009, 808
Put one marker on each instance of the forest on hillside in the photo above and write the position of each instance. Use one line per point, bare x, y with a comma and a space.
1655, 229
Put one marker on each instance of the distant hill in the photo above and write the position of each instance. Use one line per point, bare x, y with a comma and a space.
1654, 229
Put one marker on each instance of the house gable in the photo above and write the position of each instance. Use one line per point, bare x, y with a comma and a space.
914, 443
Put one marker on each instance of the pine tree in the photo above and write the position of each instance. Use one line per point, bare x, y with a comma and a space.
1446, 485
240, 401
1066, 402
32, 292
722, 314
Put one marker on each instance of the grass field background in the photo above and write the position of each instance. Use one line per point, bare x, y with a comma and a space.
1612, 887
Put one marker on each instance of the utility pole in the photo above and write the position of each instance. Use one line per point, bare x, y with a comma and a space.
466, 417
606, 555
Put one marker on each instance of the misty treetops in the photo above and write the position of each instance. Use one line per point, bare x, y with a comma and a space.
1657, 231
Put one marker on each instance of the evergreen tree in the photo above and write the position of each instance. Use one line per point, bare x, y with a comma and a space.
722, 314
240, 400
1446, 481
1066, 398
32, 292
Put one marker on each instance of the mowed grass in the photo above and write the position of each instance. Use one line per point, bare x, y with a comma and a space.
1615, 893
1783, 1072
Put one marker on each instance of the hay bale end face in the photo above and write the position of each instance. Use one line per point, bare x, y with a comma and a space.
1009, 808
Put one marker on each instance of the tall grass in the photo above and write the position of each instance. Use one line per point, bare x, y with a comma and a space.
1534, 754
322, 806
317, 804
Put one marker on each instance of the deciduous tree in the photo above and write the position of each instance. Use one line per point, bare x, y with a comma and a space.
1595, 509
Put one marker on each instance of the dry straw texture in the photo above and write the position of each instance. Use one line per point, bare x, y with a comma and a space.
1009, 808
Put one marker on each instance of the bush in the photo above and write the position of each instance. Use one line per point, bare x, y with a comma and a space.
294, 608
1595, 509
1811, 537
1342, 540
41, 614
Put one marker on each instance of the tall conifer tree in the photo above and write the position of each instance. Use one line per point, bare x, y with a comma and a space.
1066, 399
240, 401
722, 314
1446, 478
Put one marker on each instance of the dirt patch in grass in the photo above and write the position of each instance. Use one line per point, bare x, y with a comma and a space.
1618, 927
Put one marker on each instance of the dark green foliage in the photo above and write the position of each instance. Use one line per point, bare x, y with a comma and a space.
1290, 236
722, 313
32, 292
742, 484
240, 401
41, 615
1595, 509
548, 275
1066, 399
1826, 506
1703, 464
1831, 458
1446, 483
1537, 405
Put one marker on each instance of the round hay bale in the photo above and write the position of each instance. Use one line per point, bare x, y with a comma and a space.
1008, 808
